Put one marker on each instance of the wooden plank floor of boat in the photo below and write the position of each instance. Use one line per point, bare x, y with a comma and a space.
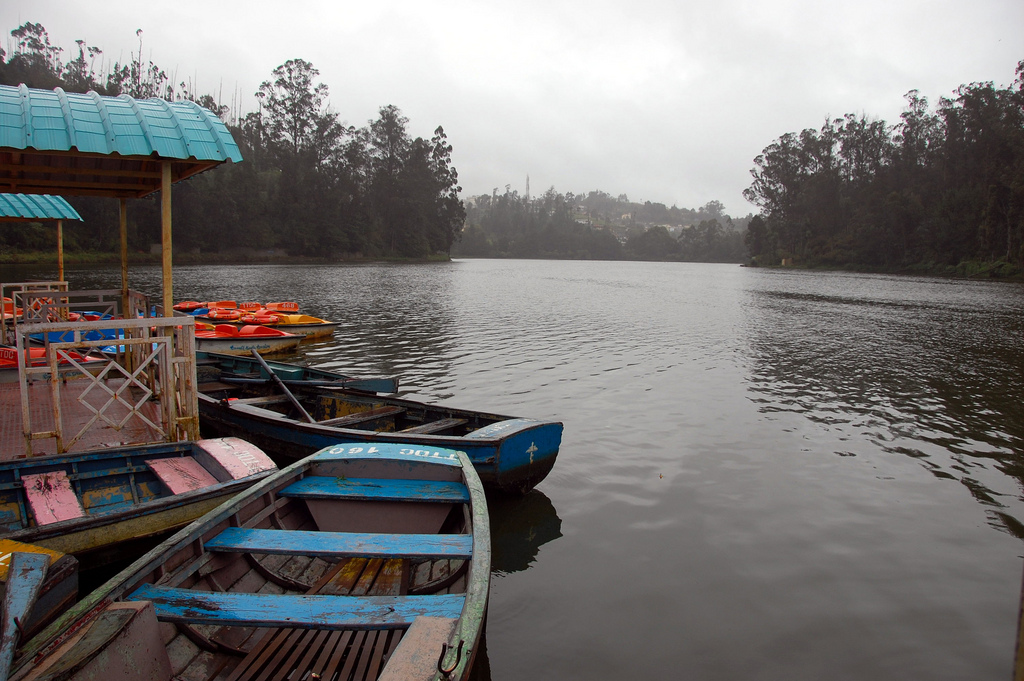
75, 416
279, 653
262, 653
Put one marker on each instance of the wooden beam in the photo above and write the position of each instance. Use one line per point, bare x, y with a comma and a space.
153, 174
165, 231
123, 231
60, 250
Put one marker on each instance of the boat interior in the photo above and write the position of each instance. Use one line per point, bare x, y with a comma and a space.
341, 407
246, 599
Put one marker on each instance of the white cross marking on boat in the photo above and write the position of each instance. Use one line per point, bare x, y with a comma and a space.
531, 450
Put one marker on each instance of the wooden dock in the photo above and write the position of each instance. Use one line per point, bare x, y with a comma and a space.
76, 414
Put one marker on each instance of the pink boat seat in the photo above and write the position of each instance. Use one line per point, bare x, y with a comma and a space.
181, 474
51, 497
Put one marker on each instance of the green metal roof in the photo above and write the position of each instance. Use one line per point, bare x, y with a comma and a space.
28, 207
55, 142
54, 120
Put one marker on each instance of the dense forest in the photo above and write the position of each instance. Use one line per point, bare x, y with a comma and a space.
941, 190
309, 185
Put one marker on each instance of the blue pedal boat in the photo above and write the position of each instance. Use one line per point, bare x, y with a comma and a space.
359, 562
510, 454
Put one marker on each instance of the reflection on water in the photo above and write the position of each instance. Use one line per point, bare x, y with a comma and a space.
930, 370
519, 527
826, 467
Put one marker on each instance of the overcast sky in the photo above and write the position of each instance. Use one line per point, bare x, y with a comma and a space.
662, 100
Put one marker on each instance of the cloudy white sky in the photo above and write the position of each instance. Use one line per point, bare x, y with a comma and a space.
662, 100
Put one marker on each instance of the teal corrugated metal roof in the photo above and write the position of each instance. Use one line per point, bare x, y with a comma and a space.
36, 207
54, 120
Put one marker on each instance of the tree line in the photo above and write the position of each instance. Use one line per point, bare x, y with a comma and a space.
597, 226
309, 184
939, 190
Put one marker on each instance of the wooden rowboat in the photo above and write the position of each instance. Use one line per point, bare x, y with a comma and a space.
362, 563
88, 503
244, 370
231, 340
510, 454
58, 591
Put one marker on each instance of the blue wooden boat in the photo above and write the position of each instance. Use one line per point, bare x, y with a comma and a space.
213, 367
91, 503
510, 454
359, 562
57, 590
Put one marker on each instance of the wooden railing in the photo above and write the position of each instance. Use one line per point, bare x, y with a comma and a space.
15, 292
154, 361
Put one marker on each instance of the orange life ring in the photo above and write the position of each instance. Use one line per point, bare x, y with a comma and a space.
187, 305
224, 314
258, 318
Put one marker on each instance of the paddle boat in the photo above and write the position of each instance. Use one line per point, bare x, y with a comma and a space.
112, 333
88, 503
290, 421
360, 562
232, 340
303, 324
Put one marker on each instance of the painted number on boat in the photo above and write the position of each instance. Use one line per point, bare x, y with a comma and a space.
401, 451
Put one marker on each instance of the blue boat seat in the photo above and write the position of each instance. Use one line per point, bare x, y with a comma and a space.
314, 611
342, 544
435, 426
370, 489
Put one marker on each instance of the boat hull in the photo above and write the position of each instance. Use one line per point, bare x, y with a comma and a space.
244, 346
307, 331
511, 456
115, 496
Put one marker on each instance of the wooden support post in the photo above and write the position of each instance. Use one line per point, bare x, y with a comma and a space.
60, 250
123, 227
165, 247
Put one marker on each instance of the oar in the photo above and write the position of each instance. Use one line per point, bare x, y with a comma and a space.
24, 580
284, 389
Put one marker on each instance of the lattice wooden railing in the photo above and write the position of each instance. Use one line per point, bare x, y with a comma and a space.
154, 363
14, 303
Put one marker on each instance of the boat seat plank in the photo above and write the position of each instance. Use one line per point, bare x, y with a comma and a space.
342, 544
362, 417
298, 611
324, 487
435, 426
263, 399
51, 497
181, 474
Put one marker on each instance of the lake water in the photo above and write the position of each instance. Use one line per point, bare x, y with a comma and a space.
764, 474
